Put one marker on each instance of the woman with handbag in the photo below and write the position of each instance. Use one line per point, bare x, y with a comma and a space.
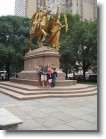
49, 79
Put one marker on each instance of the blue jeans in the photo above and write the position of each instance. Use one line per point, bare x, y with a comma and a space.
53, 80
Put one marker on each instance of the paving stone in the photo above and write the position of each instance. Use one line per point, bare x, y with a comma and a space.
63, 116
37, 113
49, 121
49, 110
62, 127
89, 118
78, 113
17, 111
28, 109
29, 124
88, 110
62, 108
82, 125
75, 112
93, 114
41, 128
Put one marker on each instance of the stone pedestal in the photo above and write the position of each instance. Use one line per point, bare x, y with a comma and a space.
41, 55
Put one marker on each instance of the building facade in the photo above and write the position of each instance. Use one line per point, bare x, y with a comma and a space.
25, 8
41, 4
87, 9
20, 7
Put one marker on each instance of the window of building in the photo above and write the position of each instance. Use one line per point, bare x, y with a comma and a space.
71, 3
66, 2
71, 11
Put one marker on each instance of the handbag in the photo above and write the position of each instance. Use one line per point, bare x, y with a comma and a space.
50, 80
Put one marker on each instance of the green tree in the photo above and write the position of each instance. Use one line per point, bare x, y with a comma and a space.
79, 44
68, 48
85, 40
14, 42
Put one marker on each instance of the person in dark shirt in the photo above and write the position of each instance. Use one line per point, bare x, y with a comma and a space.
53, 75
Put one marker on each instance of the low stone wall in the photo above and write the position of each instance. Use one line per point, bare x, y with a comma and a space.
8, 121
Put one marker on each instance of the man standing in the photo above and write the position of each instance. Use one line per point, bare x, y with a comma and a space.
53, 75
44, 75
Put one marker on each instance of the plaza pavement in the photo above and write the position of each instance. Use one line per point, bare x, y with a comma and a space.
73, 113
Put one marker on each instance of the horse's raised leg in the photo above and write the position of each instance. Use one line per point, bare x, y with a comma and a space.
44, 38
44, 35
38, 35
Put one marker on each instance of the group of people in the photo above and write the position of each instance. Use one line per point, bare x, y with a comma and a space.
46, 75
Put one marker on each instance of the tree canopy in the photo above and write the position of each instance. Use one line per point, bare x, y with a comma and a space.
79, 45
14, 42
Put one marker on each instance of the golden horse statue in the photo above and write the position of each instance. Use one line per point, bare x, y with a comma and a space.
39, 25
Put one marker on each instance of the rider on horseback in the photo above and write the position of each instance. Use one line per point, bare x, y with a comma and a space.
39, 24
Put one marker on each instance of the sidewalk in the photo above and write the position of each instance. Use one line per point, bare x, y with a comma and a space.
73, 113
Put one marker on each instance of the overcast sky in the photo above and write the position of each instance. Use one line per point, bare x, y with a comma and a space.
7, 7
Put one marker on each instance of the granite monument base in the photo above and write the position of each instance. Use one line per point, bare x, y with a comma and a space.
41, 55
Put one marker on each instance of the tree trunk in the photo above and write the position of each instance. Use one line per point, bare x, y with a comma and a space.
8, 70
83, 64
66, 74
84, 70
